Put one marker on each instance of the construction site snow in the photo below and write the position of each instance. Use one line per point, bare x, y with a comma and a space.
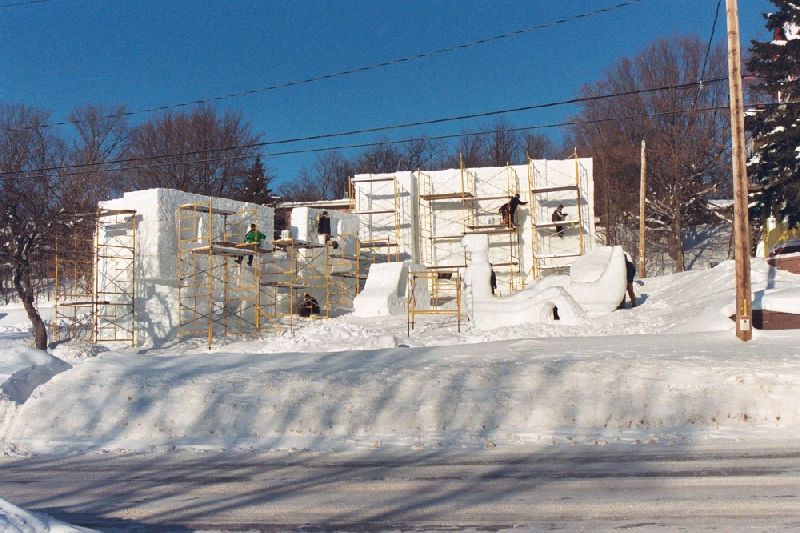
669, 371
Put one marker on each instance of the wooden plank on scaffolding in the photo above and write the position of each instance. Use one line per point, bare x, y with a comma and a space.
205, 208
447, 196
373, 179
555, 189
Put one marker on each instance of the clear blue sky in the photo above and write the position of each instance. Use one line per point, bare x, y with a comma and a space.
63, 53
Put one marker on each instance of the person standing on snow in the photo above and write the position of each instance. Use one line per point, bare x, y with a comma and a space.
252, 236
630, 273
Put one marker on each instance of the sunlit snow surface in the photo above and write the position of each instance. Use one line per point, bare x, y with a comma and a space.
668, 371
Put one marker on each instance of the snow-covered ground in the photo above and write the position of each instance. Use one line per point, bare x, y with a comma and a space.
16, 520
668, 371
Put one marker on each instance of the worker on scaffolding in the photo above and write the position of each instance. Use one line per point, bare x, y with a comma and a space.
508, 210
255, 237
559, 216
310, 306
324, 228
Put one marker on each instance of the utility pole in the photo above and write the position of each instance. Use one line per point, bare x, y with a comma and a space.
741, 226
642, 189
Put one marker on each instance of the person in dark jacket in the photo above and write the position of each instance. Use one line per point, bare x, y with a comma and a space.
558, 216
509, 209
310, 306
252, 236
324, 227
630, 273
493, 279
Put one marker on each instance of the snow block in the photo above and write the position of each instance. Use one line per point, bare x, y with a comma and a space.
384, 292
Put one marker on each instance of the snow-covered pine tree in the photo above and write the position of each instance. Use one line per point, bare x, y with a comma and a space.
775, 162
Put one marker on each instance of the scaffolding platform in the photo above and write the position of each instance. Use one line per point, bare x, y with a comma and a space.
374, 212
540, 190
448, 196
206, 208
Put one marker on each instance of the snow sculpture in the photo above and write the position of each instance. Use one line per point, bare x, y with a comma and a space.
596, 281
385, 291
595, 284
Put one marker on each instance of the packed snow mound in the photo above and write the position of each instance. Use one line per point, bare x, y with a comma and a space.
530, 392
24, 369
780, 300
13, 519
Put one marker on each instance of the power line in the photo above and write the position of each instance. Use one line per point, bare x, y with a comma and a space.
710, 40
354, 70
25, 3
442, 120
5, 176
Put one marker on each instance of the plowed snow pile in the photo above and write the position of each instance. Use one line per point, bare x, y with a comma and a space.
668, 371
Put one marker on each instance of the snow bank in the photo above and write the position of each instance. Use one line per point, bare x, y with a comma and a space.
16, 520
24, 369
526, 392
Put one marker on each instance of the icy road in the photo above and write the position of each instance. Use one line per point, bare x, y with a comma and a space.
579, 487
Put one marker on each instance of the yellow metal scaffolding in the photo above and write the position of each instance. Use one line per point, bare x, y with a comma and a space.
545, 197
376, 200
217, 296
444, 288
95, 279
504, 240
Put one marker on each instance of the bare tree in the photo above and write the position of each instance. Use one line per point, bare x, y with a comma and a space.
538, 146
503, 145
379, 159
686, 146
472, 150
216, 152
31, 202
326, 179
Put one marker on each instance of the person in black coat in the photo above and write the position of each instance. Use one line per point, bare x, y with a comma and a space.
310, 306
324, 226
509, 209
558, 216
493, 279
630, 273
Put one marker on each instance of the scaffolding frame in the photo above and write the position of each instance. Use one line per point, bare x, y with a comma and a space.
445, 295
98, 306
473, 209
542, 227
429, 200
362, 199
507, 264
215, 298
347, 272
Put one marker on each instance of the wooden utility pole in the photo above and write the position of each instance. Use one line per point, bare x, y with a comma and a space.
741, 226
642, 189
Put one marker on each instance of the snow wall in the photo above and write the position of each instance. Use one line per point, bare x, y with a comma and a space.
431, 231
156, 297
595, 285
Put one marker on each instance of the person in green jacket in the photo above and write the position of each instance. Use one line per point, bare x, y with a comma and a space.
252, 236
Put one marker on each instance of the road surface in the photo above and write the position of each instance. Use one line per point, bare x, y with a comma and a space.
580, 488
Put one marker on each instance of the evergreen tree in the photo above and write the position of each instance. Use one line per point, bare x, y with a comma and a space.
775, 162
257, 185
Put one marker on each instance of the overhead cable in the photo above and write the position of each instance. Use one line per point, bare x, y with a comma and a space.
355, 70
5, 176
392, 126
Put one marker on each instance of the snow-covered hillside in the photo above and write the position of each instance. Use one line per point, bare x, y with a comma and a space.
668, 371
